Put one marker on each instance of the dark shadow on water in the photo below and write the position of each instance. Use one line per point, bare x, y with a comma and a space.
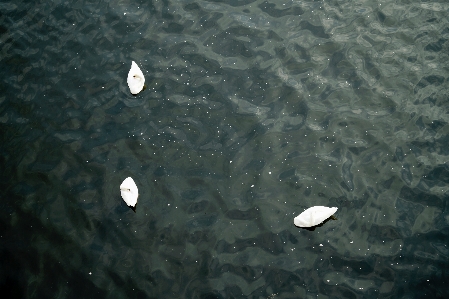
37, 249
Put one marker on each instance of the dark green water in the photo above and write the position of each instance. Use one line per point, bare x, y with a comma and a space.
253, 111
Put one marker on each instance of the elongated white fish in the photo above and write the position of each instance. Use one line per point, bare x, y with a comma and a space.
136, 80
129, 192
314, 216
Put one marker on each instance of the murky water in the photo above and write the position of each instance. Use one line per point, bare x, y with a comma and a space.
253, 111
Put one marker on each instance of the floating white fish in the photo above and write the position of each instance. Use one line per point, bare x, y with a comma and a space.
136, 80
314, 216
129, 192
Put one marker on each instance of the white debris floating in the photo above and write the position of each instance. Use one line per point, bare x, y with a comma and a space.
129, 192
314, 216
136, 80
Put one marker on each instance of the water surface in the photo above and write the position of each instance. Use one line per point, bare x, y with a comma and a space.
253, 111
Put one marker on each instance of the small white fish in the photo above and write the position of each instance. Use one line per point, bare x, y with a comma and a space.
129, 192
136, 80
314, 216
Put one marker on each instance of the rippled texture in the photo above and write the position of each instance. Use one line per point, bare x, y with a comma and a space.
253, 111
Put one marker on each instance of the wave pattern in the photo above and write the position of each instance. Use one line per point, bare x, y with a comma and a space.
252, 112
